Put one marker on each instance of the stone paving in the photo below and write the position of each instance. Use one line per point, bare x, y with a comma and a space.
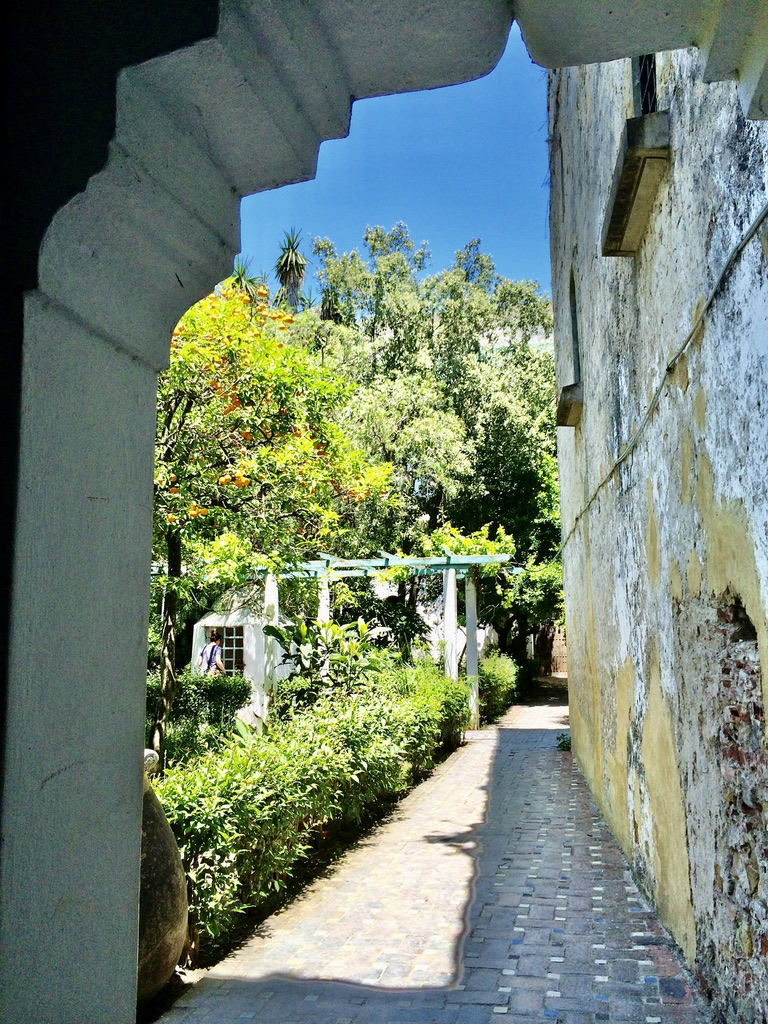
495, 889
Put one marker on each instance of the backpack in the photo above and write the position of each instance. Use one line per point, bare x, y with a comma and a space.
209, 664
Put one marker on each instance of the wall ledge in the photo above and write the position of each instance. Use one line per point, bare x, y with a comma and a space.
569, 405
644, 153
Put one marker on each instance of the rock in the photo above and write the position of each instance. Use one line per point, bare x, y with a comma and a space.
251, 717
163, 901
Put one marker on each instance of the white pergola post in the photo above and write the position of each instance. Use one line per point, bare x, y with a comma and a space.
470, 592
323, 599
450, 624
271, 613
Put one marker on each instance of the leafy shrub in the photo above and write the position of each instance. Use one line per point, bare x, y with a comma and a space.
326, 657
498, 683
203, 710
445, 701
403, 628
211, 699
247, 812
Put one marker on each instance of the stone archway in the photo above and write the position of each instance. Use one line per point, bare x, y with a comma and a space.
154, 229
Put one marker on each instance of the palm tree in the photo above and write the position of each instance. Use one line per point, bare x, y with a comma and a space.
308, 300
243, 280
254, 287
291, 267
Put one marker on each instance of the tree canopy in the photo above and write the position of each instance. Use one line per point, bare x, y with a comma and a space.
252, 466
456, 389
455, 376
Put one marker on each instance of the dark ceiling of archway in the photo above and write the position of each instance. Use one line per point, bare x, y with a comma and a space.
57, 125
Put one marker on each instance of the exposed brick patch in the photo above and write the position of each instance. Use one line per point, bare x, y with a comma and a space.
735, 962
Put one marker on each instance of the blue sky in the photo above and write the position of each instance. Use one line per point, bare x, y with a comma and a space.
453, 164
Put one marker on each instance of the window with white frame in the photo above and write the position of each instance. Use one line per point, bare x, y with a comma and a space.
232, 649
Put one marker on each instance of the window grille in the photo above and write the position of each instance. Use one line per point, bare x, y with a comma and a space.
232, 649
644, 83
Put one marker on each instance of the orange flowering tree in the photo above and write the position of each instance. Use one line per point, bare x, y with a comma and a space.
250, 466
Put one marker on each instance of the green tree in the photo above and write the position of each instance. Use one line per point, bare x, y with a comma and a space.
250, 464
404, 419
456, 389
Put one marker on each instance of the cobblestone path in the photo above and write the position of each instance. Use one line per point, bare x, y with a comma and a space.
495, 889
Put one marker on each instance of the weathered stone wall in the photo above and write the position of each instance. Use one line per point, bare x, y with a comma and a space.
666, 556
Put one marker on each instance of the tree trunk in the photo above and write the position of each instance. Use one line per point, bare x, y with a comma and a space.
517, 642
292, 295
168, 681
503, 629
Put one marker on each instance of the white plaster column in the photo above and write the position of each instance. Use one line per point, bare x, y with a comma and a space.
198, 643
72, 796
271, 646
324, 600
450, 624
470, 592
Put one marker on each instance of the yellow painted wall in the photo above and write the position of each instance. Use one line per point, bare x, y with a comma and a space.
667, 810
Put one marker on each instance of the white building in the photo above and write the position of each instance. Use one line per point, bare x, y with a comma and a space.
240, 617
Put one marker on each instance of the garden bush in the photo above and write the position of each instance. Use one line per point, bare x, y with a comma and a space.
438, 704
203, 711
247, 812
325, 658
499, 683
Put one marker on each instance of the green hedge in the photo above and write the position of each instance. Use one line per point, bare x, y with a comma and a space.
244, 814
211, 699
499, 684
202, 712
435, 713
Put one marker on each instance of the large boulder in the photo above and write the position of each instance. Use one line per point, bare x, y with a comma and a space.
163, 902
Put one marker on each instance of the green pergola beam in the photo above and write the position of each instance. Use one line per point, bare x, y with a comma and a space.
306, 572
331, 565
445, 561
388, 561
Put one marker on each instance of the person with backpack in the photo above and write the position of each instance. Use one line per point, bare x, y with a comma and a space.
210, 663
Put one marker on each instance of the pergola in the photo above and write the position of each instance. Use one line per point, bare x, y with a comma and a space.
453, 566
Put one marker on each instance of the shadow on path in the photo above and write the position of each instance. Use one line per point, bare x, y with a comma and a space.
496, 888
